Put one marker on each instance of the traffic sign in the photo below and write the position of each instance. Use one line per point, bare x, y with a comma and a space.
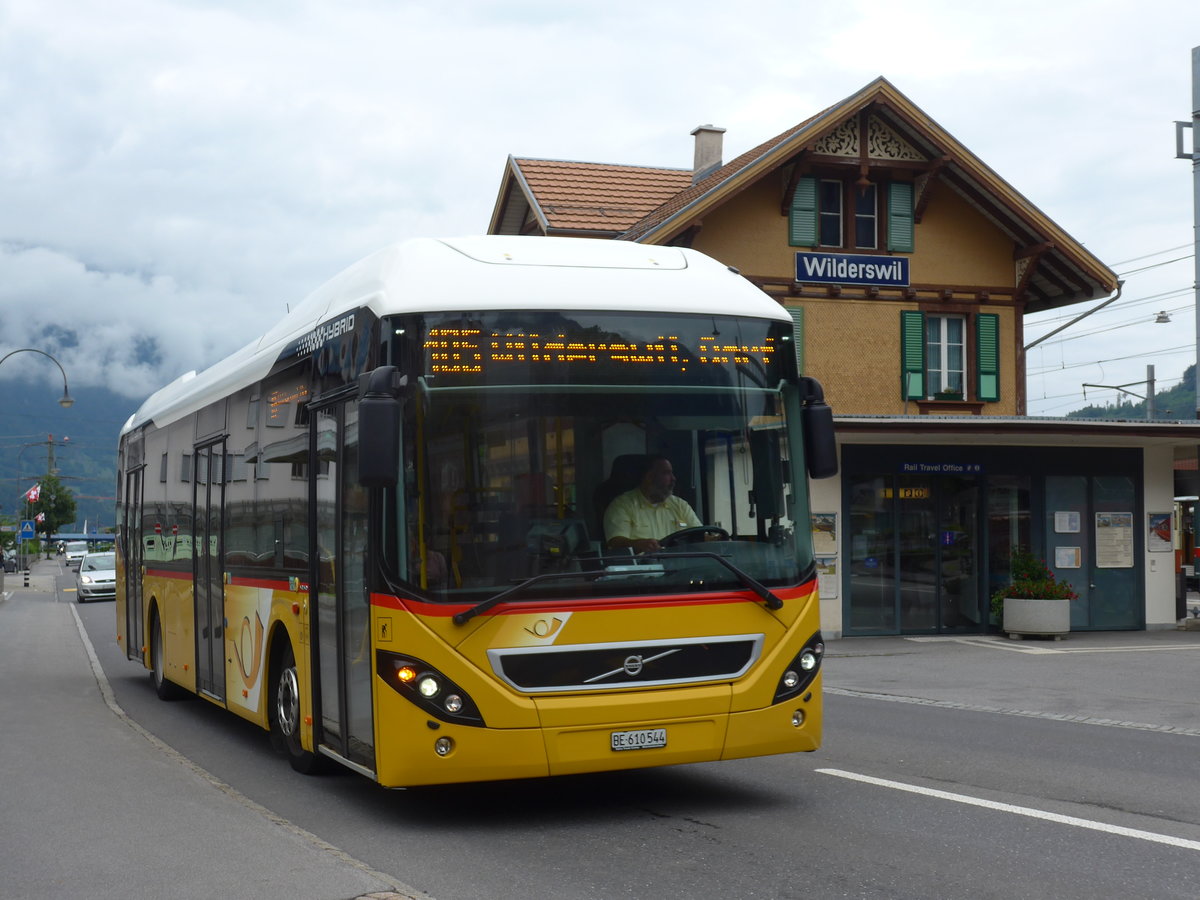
27, 530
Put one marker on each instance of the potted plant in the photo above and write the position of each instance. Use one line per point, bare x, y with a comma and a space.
1034, 602
948, 394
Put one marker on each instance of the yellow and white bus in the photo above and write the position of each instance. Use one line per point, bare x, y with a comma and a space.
377, 531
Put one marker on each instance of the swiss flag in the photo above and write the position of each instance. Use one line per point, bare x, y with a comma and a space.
40, 517
33, 493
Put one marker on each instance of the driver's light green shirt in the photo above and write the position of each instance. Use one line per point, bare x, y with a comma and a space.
632, 516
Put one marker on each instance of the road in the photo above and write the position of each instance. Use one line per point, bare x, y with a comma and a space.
945, 790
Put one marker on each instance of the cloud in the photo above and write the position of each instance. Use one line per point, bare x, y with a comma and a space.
176, 172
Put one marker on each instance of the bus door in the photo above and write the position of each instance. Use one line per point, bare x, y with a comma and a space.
343, 612
208, 503
131, 550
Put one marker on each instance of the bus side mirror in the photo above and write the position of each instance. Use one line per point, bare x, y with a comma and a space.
379, 427
816, 421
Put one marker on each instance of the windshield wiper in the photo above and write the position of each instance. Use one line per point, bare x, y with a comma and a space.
495, 600
748, 581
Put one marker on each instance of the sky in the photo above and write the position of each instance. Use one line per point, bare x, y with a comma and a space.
175, 173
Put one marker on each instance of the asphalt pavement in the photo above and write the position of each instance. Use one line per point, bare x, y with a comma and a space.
96, 806
1136, 679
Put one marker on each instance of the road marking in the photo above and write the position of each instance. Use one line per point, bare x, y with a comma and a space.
1026, 811
404, 892
1021, 647
999, 710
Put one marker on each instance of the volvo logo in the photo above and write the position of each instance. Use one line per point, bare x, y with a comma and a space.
633, 666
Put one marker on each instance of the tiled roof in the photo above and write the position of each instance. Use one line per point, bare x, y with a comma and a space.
579, 196
655, 205
692, 192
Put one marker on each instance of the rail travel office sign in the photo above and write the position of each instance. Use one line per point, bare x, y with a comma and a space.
849, 268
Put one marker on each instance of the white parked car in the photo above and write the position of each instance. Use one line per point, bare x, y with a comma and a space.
97, 577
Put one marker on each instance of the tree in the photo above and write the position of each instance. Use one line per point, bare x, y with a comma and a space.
56, 503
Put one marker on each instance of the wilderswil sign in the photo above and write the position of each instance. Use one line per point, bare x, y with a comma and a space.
848, 268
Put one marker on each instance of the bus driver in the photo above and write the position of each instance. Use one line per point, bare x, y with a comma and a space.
642, 517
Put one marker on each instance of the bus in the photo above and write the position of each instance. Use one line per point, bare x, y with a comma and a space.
377, 530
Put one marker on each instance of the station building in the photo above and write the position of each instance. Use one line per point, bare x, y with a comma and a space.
908, 266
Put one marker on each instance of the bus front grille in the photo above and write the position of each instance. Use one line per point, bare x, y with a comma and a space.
594, 667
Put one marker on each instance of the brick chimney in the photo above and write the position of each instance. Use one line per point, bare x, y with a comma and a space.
708, 151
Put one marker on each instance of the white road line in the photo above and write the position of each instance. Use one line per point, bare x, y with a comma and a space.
403, 891
1074, 821
1002, 711
1024, 647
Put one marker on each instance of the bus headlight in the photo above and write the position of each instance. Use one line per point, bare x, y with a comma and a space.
426, 687
801, 670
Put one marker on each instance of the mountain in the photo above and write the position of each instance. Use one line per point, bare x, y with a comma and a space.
81, 441
1177, 403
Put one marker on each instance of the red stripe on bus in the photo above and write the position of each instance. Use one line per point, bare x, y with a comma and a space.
270, 584
444, 610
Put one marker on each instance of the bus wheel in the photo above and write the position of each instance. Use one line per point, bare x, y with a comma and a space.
285, 715
166, 689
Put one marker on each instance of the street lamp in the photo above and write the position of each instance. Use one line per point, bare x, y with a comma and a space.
66, 400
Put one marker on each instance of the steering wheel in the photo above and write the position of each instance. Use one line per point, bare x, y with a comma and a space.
693, 535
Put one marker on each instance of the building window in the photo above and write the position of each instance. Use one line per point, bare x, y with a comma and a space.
866, 217
880, 215
829, 212
935, 356
945, 354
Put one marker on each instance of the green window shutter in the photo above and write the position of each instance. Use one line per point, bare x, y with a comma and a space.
987, 356
802, 218
900, 216
912, 354
797, 314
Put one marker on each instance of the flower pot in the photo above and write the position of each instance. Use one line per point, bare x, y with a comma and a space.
1036, 616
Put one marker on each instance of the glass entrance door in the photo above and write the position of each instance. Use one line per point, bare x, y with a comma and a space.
914, 555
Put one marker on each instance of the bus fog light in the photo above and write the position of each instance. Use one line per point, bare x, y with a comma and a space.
798, 718
453, 703
442, 746
428, 686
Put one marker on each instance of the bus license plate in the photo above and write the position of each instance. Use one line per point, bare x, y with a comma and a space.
647, 739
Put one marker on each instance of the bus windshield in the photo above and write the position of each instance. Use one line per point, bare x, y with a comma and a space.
512, 464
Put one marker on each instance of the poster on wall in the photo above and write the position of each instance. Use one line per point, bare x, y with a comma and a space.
1114, 540
1158, 532
1066, 522
827, 583
1068, 557
824, 534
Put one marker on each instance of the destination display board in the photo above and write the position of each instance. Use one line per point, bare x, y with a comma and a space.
604, 348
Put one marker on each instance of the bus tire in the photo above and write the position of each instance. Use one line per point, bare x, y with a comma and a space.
165, 688
285, 715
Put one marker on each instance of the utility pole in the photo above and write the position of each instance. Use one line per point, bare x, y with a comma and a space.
1149, 393
1194, 156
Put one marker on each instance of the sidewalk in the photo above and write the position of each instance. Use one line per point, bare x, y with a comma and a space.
1133, 678
94, 808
